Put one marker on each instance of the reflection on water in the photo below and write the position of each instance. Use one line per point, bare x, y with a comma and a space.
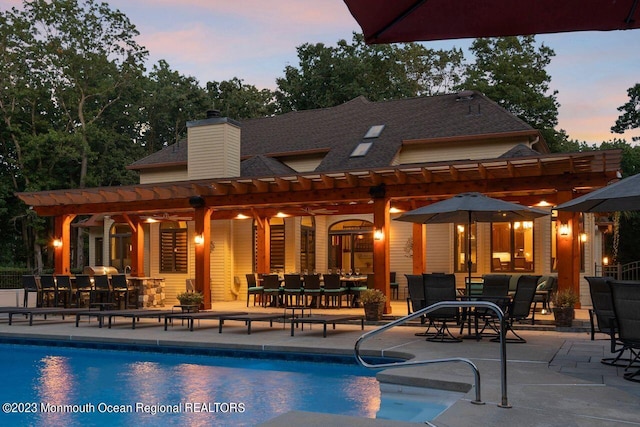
178, 389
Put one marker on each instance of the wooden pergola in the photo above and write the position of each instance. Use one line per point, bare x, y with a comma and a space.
554, 178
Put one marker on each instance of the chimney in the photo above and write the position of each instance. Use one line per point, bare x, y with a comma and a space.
213, 149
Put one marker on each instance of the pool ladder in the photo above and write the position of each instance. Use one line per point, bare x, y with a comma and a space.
446, 304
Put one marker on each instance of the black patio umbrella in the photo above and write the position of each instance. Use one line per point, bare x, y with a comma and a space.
623, 195
470, 208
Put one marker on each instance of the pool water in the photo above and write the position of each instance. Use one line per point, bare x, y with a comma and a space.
44, 386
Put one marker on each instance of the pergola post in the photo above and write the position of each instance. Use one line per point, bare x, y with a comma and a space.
62, 243
568, 248
381, 265
137, 250
202, 243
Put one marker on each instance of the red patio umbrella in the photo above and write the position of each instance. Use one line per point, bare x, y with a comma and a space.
385, 21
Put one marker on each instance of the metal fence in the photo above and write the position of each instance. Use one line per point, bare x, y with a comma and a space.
12, 279
630, 271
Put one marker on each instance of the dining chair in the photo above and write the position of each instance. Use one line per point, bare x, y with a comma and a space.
253, 288
292, 288
626, 306
519, 307
333, 291
271, 284
437, 288
120, 290
102, 293
312, 289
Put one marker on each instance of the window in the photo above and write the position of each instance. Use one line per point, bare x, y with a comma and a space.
119, 246
461, 248
277, 240
173, 247
361, 149
351, 246
308, 243
512, 246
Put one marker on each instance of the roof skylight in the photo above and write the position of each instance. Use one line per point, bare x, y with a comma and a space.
374, 131
361, 149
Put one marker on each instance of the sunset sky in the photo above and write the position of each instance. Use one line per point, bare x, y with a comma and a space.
255, 39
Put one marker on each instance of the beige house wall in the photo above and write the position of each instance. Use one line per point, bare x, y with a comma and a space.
447, 151
169, 174
214, 151
303, 163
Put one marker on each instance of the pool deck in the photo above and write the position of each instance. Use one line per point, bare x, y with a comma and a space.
556, 378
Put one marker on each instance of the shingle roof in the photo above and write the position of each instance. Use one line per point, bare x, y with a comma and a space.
264, 166
338, 130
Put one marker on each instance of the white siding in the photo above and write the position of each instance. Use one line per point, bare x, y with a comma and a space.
303, 163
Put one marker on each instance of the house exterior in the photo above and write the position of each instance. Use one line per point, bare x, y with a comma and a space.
318, 190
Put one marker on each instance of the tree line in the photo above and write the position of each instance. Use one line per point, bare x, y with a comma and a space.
77, 104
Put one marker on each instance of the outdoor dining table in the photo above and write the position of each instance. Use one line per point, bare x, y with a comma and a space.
352, 281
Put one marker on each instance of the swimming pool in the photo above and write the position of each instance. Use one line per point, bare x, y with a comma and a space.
79, 387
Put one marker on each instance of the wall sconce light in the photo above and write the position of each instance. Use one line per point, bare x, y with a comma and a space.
198, 239
378, 235
605, 260
241, 216
564, 229
583, 237
57, 243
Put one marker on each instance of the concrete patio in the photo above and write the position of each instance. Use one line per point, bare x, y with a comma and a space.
554, 379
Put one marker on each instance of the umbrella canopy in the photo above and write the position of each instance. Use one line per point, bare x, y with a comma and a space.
471, 207
384, 21
624, 195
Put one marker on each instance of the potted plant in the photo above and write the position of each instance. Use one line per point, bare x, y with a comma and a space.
373, 301
563, 307
190, 300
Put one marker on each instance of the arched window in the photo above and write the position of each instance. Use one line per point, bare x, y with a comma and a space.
351, 246
173, 247
119, 246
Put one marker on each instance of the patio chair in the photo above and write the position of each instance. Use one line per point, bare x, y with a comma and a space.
49, 291
544, 292
496, 290
519, 307
253, 288
312, 289
120, 289
101, 290
393, 285
602, 309
626, 306
82, 290
437, 288
63, 287
357, 290
333, 290
292, 288
31, 285
271, 284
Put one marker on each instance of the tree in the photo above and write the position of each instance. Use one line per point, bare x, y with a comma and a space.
170, 100
237, 100
65, 66
511, 71
329, 76
630, 119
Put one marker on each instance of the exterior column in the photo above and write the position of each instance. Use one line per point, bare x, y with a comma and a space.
203, 264
62, 244
568, 248
263, 231
381, 266
137, 249
418, 250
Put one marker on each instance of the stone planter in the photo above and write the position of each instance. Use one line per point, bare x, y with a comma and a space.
373, 311
563, 316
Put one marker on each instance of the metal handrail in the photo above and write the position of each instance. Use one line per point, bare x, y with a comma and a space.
445, 304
